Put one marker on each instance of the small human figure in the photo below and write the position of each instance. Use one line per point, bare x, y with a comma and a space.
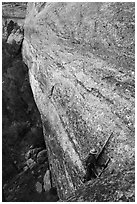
90, 164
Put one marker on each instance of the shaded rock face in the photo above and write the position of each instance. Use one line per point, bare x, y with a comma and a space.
24, 155
81, 67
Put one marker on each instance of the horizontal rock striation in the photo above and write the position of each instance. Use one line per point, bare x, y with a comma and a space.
81, 67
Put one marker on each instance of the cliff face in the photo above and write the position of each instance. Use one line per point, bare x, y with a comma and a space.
81, 67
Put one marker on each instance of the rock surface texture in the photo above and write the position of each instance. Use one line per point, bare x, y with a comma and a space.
81, 67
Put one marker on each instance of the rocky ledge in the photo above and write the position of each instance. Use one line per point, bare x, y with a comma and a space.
81, 68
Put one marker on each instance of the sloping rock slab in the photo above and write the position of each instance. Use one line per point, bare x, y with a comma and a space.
81, 67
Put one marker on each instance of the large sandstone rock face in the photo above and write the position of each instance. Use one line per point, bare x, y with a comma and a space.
81, 67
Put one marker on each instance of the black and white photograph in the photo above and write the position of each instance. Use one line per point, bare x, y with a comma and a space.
68, 101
